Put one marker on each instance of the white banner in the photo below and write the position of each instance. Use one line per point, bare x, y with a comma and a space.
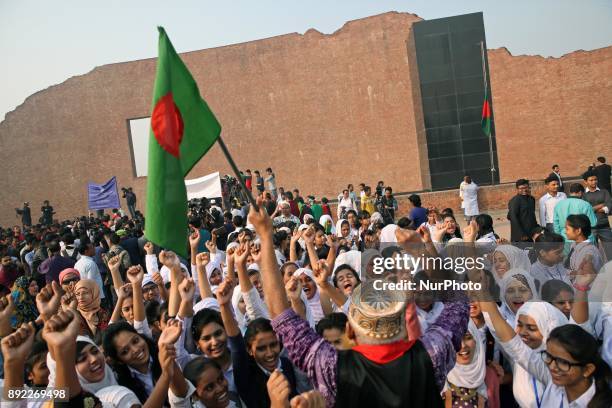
208, 186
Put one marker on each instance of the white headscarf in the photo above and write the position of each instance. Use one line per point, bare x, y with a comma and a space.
339, 228
547, 317
240, 318
517, 259
427, 318
471, 375
509, 277
108, 380
117, 396
352, 258
206, 303
324, 219
314, 303
211, 266
375, 219
387, 234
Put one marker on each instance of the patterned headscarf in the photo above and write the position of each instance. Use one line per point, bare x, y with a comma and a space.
25, 306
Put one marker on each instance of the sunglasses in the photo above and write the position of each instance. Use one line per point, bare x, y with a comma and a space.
562, 364
69, 281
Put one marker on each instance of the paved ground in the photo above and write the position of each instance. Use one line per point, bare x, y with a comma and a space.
500, 223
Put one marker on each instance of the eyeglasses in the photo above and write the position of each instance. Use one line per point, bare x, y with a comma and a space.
149, 288
562, 364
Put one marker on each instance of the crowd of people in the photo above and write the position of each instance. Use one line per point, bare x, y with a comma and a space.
274, 304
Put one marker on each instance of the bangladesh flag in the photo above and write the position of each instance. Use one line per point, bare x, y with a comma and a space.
486, 115
182, 130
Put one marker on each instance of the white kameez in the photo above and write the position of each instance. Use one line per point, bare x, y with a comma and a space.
469, 194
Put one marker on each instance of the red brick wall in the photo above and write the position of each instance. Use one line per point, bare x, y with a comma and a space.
322, 110
551, 110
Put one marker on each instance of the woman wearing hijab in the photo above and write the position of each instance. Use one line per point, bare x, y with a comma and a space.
93, 372
68, 278
465, 384
344, 232
579, 377
506, 257
516, 288
327, 223
534, 322
25, 303
117, 396
87, 293
311, 290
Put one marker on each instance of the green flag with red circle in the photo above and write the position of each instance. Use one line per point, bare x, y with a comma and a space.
486, 115
183, 129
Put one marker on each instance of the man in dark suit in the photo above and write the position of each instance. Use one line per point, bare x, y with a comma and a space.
602, 170
521, 213
557, 173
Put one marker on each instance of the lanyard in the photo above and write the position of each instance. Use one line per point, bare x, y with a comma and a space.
535, 387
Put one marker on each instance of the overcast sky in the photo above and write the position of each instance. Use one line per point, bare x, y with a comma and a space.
43, 43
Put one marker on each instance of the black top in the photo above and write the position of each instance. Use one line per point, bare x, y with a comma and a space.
601, 196
521, 213
26, 215
407, 381
250, 379
603, 175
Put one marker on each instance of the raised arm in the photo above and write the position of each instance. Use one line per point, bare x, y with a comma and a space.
7, 309
442, 339
308, 351
582, 283
113, 265
123, 292
203, 284
60, 333
16, 348
186, 292
171, 261
48, 300
514, 347
293, 242
194, 241
224, 297
274, 288
135, 274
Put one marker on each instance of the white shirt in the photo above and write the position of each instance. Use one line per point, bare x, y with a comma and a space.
544, 273
348, 204
547, 205
555, 396
469, 194
145, 379
581, 250
530, 360
88, 269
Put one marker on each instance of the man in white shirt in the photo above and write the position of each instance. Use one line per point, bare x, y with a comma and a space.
345, 203
548, 202
556, 173
87, 267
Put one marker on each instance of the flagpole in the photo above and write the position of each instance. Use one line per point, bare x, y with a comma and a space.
230, 160
484, 78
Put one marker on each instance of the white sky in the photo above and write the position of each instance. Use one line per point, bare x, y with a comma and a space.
43, 43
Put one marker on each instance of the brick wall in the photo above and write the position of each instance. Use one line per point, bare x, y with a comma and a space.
322, 110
